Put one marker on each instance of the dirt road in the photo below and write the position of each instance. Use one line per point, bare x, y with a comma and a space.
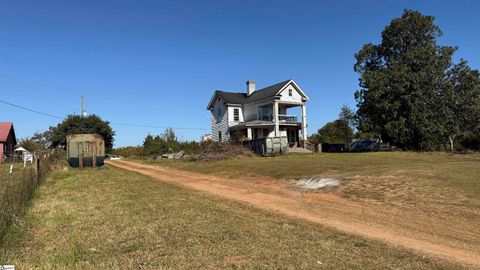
457, 240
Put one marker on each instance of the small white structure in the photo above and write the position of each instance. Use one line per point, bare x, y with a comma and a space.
256, 114
206, 137
24, 154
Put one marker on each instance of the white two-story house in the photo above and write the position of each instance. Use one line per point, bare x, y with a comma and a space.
263, 113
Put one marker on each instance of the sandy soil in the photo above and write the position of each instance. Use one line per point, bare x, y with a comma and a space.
424, 231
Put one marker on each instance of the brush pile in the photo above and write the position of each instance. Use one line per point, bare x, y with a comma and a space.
213, 151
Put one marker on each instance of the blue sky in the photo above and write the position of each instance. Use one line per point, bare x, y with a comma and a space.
157, 63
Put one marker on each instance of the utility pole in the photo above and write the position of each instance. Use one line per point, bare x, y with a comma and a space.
83, 107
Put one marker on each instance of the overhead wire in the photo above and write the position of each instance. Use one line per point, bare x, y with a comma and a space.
33, 88
11, 59
58, 117
113, 123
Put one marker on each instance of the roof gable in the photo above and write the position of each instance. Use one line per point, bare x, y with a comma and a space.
242, 98
5, 129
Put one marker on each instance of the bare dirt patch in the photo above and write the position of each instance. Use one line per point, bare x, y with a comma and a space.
422, 231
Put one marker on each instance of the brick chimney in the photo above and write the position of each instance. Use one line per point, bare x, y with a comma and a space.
250, 87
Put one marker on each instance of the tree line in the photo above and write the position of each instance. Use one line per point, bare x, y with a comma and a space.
412, 95
55, 137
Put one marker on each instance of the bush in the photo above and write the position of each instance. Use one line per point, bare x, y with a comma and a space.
469, 141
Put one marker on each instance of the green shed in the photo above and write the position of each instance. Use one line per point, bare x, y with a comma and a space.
85, 150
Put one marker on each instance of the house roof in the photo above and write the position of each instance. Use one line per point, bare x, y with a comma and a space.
5, 128
242, 98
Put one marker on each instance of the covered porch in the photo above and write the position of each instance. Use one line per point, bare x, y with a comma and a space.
266, 129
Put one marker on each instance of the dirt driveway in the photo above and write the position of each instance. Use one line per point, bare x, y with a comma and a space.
455, 240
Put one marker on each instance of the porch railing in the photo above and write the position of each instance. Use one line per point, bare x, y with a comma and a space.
289, 119
282, 118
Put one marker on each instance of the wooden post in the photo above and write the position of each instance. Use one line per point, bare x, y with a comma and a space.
276, 120
94, 158
304, 125
36, 168
80, 161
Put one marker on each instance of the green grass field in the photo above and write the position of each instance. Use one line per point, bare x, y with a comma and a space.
383, 176
111, 219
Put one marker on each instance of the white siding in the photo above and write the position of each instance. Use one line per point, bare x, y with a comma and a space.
231, 118
219, 120
295, 97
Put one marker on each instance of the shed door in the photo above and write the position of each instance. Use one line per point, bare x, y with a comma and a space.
80, 148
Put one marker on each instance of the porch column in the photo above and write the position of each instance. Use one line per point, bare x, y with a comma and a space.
249, 133
304, 123
275, 115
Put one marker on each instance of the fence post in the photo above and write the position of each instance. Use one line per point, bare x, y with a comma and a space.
36, 168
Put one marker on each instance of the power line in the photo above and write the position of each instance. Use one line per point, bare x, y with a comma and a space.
114, 123
52, 83
30, 110
30, 70
159, 127
35, 89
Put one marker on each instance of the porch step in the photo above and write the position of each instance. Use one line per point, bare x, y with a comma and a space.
299, 150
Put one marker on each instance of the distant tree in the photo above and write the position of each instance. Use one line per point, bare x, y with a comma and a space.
169, 135
336, 132
314, 139
38, 142
460, 108
348, 115
365, 135
42, 139
76, 124
171, 139
154, 146
400, 81
30, 144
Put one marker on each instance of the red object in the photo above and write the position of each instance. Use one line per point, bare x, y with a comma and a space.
7, 140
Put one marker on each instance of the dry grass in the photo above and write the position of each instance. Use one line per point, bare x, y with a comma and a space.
85, 219
393, 177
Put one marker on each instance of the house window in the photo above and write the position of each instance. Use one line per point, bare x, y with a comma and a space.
236, 115
263, 113
290, 92
219, 115
220, 136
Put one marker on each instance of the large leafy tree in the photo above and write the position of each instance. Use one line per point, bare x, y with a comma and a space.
401, 79
76, 124
460, 107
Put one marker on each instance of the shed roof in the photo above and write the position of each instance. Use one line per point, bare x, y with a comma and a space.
84, 137
5, 128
